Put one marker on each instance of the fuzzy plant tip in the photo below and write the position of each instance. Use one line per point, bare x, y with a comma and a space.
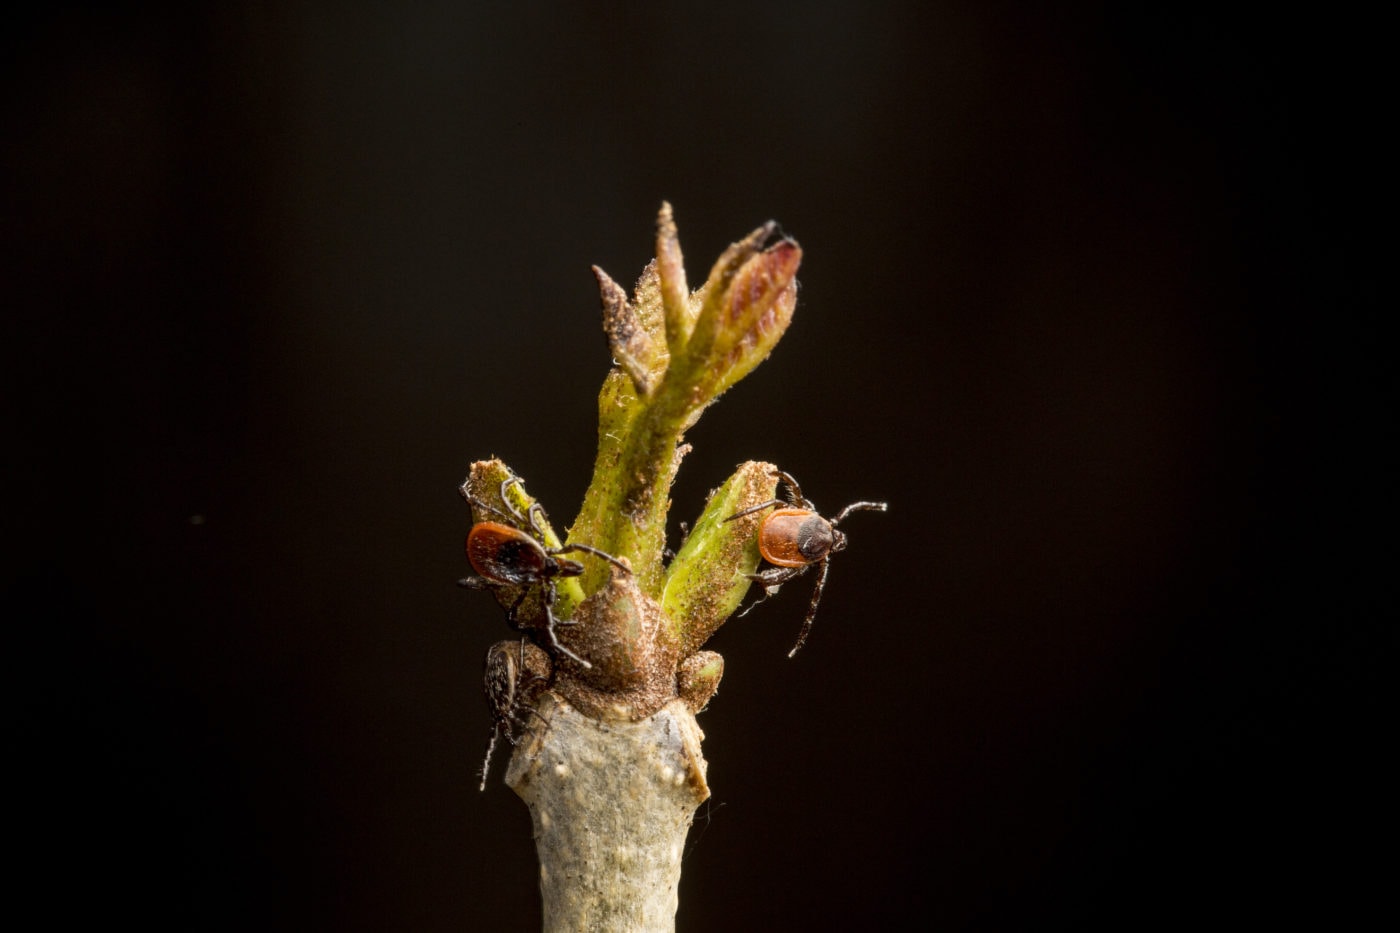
675, 351
598, 692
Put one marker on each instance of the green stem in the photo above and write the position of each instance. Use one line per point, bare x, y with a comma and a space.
624, 510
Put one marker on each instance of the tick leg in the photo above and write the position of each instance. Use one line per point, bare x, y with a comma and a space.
510, 612
505, 497
755, 508
490, 750
525, 723
487, 507
537, 520
860, 507
812, 607
503, 726
554, 642
794, 491
464, 491
768, 591
776, 576
594, 551
550, 622
771, 579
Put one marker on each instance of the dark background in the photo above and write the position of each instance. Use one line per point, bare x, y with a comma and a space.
1078, 299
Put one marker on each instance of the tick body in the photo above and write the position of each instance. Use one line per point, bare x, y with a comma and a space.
505, 687
510, 556
794, 537
504, 554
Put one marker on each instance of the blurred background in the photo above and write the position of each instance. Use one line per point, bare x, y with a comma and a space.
1076, 300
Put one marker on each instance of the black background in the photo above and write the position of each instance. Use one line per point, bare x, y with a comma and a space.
1078, 299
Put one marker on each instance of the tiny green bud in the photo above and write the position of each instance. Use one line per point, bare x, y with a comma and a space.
675, 353
747, 305
698, 678
638, 351
621, 631
706, 581
675, 295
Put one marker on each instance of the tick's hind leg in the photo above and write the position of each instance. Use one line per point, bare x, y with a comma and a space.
490, 750
523, 722
502, 727
770, 579
549, 624
795, 496
811, 608
587, 549
554, 643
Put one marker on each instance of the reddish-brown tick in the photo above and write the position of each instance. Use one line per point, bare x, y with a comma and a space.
794, 538
505, 555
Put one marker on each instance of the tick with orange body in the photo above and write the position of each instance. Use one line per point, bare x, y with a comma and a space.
794, 538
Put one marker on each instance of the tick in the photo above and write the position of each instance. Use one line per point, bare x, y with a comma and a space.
794, 538
503, 683
505, 555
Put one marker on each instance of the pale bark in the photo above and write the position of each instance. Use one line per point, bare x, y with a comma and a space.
611, 803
